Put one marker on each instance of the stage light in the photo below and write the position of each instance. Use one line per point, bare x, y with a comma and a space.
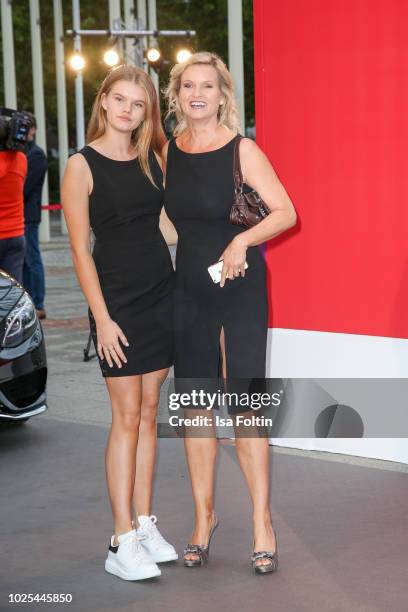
111, 57
153, 55
183, 55
77, 62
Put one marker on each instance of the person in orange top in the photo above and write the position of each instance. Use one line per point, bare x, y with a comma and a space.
13, 172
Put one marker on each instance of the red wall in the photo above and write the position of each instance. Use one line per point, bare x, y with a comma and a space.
331, 83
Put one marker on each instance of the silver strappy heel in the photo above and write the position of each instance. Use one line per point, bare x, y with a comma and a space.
272, 557
201, 551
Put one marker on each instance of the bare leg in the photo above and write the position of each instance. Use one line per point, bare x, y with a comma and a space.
253, 456
146, 448
201, 453
126, 395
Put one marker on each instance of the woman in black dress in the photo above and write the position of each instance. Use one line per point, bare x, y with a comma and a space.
232, 315
114, 186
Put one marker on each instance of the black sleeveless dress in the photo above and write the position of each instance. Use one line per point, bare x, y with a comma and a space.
198, 198
132, 260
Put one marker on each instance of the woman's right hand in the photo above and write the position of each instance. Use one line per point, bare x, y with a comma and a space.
109, 334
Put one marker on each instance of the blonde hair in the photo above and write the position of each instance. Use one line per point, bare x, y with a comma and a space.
228, 112
149, 134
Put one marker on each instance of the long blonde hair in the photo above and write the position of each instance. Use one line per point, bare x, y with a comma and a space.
149, 134
228, 112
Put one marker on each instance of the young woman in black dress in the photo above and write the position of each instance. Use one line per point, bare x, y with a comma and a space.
114, 186
231, 316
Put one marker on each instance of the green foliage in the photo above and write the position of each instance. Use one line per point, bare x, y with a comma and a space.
208, 18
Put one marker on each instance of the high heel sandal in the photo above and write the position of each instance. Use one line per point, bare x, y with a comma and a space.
201, 551
272, 557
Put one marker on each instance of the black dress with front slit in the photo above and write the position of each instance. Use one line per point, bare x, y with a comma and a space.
132, 260
198, 198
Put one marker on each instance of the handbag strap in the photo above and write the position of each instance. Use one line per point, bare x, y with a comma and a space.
238, 178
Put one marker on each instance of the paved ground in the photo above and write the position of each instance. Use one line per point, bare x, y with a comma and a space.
71, 380
341, 522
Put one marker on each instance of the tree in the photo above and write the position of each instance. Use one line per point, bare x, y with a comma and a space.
208, 18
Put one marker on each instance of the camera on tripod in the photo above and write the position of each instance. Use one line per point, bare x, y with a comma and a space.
14, 127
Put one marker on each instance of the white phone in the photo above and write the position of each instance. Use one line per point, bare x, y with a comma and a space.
215, 270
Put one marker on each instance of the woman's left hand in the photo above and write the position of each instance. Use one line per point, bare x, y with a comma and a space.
234, 258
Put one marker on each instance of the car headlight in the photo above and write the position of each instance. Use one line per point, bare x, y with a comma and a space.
19, 323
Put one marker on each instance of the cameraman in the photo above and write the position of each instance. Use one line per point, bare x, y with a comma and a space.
13, 172
33, 273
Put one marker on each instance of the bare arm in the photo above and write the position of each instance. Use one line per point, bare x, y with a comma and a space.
77, 183
259, 174
75, 189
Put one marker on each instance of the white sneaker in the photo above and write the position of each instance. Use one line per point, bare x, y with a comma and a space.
129, 560
153, 542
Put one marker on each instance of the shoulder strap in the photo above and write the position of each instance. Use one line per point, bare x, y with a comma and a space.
91, 157
87, 152
171, 146
238, 178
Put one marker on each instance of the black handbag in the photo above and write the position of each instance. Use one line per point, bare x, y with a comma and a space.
248, 207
